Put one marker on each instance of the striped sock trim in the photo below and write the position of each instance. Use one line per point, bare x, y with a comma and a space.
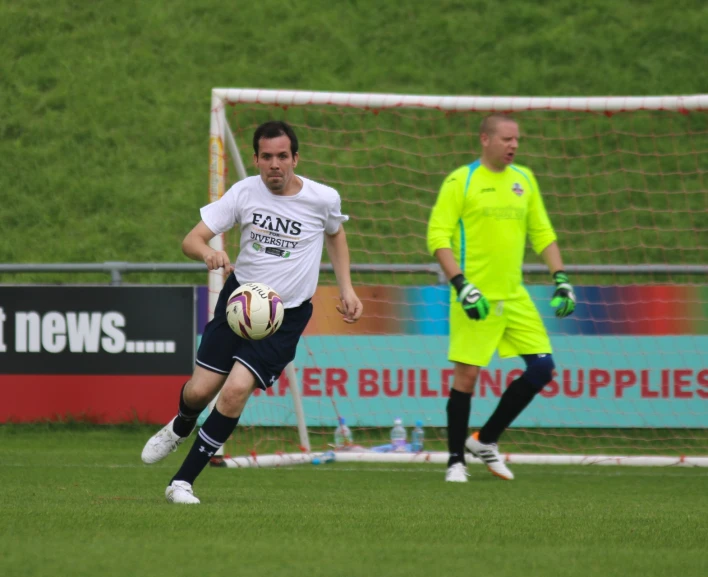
208, 440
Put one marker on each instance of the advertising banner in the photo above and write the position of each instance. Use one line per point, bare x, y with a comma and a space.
630, 356
600, 382
93, 352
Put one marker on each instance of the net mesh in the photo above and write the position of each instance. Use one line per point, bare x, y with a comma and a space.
621, 189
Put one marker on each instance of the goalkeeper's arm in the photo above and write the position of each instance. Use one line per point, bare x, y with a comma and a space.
475, 305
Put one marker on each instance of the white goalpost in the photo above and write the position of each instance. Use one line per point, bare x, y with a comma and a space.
624, 182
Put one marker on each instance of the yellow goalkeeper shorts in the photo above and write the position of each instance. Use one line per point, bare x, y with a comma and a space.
512, 326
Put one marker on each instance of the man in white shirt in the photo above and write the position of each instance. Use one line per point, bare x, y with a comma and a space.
284, 221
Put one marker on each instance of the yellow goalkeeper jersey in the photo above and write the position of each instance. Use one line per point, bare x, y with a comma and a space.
484, 217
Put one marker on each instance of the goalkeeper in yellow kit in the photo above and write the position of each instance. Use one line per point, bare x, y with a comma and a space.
477, 231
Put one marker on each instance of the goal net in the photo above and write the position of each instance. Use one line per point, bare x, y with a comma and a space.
624, 182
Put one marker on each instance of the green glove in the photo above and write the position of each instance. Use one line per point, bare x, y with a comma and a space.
472, 301
563, 298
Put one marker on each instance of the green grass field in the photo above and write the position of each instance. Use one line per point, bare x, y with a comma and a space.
77, 501
104, 119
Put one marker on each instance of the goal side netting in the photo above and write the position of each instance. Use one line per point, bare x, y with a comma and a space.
624, 182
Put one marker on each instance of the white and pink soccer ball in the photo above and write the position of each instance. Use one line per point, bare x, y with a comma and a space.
254, 311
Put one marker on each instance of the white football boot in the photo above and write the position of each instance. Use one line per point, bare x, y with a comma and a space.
161, 444
489, 455
181, 492
456, 473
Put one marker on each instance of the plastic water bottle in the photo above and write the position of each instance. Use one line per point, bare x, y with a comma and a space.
343, 435
398, 436
417, 437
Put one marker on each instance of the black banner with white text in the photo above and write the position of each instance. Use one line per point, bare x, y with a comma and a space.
80, 330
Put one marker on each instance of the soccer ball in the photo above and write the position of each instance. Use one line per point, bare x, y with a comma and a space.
254, 311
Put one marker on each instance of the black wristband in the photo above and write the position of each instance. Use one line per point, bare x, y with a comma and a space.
458, 282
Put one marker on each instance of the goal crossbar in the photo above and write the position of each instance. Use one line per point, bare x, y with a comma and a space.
463, 103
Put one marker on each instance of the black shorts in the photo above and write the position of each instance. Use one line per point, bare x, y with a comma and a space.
221, 347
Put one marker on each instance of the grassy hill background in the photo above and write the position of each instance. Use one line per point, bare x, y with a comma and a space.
104, 106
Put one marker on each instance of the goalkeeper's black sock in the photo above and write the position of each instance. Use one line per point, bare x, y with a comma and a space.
187, 417
458, 417
514, 400
211, 437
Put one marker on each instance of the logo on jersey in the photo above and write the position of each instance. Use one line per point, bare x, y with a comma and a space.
277, 252
277, 224
510, 212
270, 250
517, 190
276, 232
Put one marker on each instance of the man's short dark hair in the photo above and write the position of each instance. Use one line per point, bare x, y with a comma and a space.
489, 123
274, 129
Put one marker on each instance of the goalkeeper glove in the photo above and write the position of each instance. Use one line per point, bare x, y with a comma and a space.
472, 301
563, 298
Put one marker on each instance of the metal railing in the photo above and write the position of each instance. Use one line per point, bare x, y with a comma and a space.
117, 269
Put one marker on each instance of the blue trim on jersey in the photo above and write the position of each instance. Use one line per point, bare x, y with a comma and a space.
462, 246
522, 173
474, 166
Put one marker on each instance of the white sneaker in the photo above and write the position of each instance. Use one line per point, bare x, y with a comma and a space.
456, 473
489, 455
161, 444
180, 492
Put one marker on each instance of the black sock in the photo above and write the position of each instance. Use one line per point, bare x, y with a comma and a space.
514, 400
458, 418
187, 417
211, 436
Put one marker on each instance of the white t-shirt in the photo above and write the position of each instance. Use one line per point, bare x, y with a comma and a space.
281, 236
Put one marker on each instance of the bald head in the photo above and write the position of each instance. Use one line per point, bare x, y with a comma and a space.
489, 123
499, 135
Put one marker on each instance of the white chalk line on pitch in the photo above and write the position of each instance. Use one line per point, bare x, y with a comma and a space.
599, 471
529, 470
